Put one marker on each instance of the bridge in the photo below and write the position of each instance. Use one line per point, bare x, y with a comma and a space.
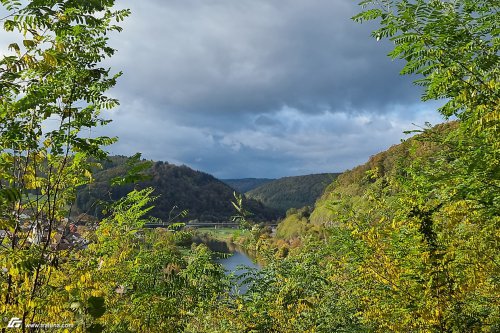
202, 225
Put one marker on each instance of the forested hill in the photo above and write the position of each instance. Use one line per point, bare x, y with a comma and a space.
246, 184
178, 188
356, 184
354, 189
416, 227
292, 192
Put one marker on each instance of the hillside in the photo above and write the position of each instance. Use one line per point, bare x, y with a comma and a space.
349, 191
292, 192
354, 184
246, 184
178, 188
421, 216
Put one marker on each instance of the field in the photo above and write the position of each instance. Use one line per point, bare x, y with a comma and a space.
223, 234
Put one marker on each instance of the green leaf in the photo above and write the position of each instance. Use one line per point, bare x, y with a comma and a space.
10, 195
96, 307
29, 43
95, 328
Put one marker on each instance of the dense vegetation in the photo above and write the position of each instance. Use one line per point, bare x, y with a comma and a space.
390, 163
246, 184
412, 252
408, 242
292, 192
178, 188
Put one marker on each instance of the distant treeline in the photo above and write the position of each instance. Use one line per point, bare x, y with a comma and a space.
177, 188
246, 184
292, 192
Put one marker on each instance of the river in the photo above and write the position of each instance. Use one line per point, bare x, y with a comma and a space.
233, 258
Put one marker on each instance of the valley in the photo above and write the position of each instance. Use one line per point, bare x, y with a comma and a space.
97, 239
186, 195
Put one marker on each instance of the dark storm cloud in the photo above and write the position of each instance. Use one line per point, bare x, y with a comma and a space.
245, 56
256, 88
288, 144
259, 88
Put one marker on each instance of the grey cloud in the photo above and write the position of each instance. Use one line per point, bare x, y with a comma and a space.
264, 121
292, 144
221, 56
257, 88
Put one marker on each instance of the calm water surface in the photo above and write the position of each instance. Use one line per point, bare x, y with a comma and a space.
236, 259
233, 258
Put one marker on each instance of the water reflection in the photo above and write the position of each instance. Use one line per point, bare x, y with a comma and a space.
233, 258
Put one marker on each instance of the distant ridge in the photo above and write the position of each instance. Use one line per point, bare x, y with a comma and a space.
178, 188
292, 192
246, 184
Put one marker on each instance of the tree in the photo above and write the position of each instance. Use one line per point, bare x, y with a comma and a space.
145, 282
424, 245
52, 91
454, 47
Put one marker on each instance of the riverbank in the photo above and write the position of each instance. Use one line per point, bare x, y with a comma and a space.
228, 240
229, 235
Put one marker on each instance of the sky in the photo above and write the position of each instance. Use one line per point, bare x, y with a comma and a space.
257, 88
